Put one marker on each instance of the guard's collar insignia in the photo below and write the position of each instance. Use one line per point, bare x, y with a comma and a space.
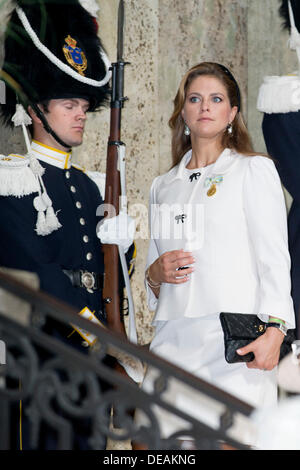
74, 55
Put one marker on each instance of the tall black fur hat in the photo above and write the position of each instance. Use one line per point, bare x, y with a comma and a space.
284, 13
52, 50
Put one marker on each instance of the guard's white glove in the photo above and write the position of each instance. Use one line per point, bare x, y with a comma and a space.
118, 230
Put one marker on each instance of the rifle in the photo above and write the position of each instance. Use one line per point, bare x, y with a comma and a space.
111, 288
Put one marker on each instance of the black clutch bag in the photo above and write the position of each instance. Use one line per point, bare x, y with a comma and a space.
241, 329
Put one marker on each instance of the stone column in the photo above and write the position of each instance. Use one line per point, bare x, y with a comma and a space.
191, 32
11, 140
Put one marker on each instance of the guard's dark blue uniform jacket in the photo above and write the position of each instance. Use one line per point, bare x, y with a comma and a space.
282, 136
74, 246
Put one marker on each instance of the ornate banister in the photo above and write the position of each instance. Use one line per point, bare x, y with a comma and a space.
65, 371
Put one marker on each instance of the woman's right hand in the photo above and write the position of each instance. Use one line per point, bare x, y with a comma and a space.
168, 267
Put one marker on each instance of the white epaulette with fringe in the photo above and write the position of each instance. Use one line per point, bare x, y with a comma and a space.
279, 94
16, 176
21, 176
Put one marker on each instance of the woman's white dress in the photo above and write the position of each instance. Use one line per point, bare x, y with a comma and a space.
232, 216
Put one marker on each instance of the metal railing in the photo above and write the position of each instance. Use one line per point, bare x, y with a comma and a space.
47, 384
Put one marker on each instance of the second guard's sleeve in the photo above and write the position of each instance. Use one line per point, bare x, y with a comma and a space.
266, 217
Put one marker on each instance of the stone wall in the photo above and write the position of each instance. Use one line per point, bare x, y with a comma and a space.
163, 38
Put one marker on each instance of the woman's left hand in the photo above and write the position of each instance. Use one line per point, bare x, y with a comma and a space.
266, 350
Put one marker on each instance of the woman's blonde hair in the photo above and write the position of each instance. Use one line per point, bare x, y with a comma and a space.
239, 140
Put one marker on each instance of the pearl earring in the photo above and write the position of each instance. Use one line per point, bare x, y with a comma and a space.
229, 129
187, 131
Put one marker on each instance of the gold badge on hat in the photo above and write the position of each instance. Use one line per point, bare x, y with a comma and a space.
74, 55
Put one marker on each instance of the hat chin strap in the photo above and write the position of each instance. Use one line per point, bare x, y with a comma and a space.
47, 127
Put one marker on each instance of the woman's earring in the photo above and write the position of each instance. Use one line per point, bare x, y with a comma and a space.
187, 131
229, 129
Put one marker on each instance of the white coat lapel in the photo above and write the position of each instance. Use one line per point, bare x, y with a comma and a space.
224, 163
178, 171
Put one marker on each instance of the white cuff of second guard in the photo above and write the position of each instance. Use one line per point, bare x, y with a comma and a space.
117, 230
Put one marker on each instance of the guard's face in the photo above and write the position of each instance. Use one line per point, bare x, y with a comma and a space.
67, 118
207, 109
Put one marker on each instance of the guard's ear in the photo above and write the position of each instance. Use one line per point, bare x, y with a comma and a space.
33, 115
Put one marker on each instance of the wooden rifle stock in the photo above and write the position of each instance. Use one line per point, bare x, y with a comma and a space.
111, 288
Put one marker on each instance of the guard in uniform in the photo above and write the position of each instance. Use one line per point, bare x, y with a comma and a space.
56, 71
279, 100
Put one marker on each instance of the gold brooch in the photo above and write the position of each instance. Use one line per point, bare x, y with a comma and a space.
212, 190
213, 181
